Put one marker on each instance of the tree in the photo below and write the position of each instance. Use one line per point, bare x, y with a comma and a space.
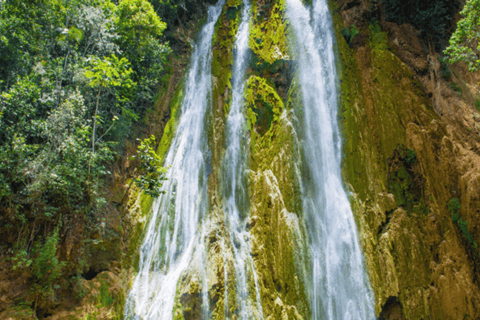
110, 72
464, 43
140, 31
137, 22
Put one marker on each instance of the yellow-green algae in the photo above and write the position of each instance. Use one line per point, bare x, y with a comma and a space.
267, 35
263, 106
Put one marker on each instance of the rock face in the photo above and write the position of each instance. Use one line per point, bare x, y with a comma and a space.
411, 146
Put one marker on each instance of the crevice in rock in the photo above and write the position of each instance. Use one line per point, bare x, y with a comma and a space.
392, 310
384, 226
42, 313
91, 273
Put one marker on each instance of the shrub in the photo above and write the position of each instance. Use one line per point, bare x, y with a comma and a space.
46, 268
150, 174
349, 34
378, 38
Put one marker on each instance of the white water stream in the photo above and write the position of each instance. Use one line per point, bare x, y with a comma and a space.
339, 286
235, 185
171, 235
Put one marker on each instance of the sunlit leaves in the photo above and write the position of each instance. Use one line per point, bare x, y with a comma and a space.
464, 43
137, 22
110, 71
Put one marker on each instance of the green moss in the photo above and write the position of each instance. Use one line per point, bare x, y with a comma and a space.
170, 127
275, 192
264, 102
351, 106
140, 208
146, 202
267, 35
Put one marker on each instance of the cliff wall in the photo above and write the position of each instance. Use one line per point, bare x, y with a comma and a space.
411, 151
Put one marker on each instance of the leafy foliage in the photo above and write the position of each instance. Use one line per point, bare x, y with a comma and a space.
432, 18
349, 34
151, 173
107, 73
76, 76
137, 22
464, 44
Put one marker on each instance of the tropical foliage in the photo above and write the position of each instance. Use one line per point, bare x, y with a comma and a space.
76, 77
464, 43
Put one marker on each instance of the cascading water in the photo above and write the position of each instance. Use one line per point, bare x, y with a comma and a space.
339, 286
175, 238
234, 191
171, 235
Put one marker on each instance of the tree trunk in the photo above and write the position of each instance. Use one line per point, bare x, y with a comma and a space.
95, 118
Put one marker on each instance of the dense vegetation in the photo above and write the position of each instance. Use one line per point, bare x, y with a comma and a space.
464, 43
76, 76
432, 18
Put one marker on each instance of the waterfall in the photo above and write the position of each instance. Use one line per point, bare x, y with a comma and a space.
235, 184
339, 286
171, 235
175, 237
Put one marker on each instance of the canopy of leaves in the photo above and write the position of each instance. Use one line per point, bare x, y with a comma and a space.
137, 22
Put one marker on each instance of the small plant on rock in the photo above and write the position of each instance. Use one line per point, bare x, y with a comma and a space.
46, 270
349, 34
150, 172
454, 207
